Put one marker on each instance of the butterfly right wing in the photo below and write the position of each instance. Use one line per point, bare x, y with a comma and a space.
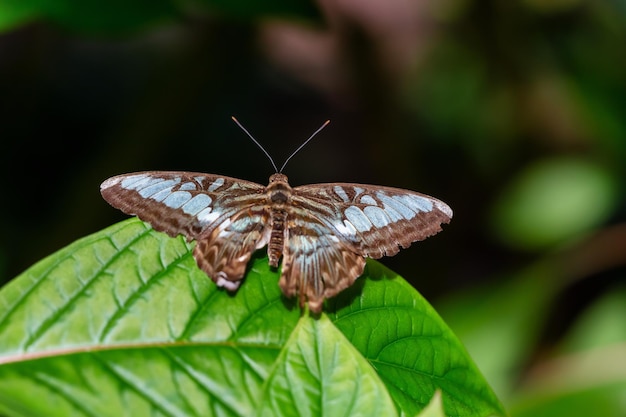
334, 226
226, 216
375, 221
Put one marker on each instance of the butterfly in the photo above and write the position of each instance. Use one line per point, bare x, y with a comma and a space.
321, 232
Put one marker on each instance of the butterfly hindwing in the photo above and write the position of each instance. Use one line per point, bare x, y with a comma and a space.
375, 221
224, 253
316, 263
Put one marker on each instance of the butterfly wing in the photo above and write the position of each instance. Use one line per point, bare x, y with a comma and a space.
226, 216
332, 227
316, 263
374, 221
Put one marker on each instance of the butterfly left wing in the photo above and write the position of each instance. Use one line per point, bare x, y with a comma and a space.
226, 216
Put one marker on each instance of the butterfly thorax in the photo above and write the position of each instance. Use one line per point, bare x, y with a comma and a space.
279, 195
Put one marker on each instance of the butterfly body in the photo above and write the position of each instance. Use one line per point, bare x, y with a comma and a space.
321, 232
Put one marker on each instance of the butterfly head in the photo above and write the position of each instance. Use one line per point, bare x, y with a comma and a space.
279, 178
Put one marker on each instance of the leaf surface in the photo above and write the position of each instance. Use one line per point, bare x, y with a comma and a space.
122, 322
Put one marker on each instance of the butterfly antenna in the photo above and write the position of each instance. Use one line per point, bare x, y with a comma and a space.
305, 142
257, 143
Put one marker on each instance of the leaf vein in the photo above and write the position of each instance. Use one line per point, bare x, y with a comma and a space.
137, 295
124, 378
47, 323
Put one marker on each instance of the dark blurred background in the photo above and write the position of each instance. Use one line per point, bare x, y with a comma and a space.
514, 113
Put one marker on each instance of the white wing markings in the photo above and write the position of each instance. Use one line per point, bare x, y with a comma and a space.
158, 186
360, 221
216, 184
161, 195
345, 228
131, 181
341, 193
369, 200
177, 199
223, 232
394, 209
416, 202
141, 183
377, 216
188, 186
391, 204
392, 213
207, 216
228, 284
197, 204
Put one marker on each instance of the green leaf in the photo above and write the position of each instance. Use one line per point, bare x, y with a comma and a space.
553, 201
322, 357
409, 345
123, 323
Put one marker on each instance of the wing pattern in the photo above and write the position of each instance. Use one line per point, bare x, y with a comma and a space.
226, 216
332, 227
375, 221
316, 263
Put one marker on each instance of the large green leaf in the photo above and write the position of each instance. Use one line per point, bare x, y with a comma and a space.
123, 323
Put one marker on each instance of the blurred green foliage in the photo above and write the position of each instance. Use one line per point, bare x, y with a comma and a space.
511, 112
575, 196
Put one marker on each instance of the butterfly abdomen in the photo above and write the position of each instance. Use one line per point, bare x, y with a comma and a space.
277, 237
279, 196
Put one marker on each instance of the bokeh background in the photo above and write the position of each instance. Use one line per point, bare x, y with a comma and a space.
514, 113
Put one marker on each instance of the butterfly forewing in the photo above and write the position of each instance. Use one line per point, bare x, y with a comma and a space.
375, 221
184, 203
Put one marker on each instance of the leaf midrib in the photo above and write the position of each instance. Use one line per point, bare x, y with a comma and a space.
57, 352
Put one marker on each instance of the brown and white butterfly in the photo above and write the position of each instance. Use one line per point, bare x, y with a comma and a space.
322, 232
